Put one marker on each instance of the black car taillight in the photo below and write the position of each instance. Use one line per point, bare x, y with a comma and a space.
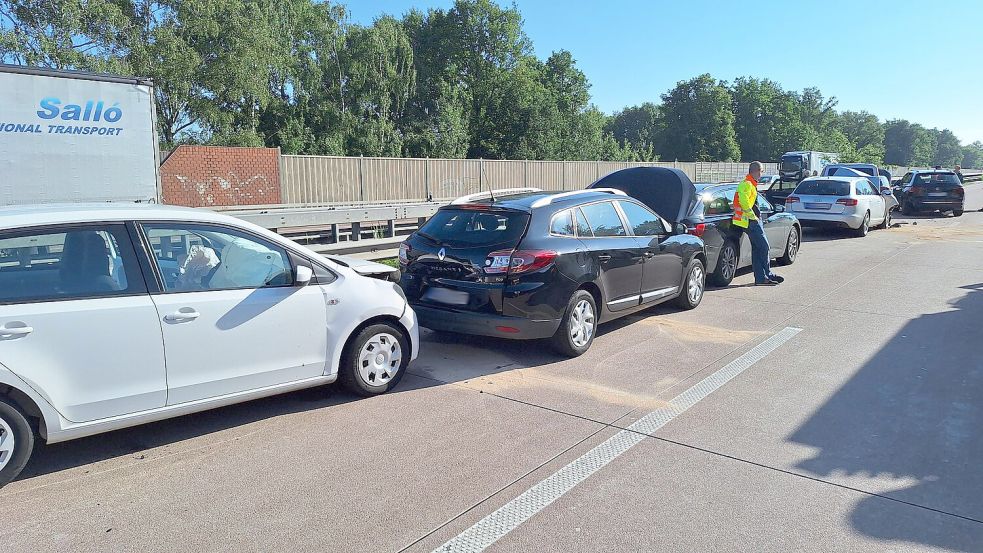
518, 261
697, 230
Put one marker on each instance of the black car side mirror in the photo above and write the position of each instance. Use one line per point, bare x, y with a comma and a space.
779, 208
679, 228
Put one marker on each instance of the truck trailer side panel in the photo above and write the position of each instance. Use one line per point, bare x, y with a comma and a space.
76, 137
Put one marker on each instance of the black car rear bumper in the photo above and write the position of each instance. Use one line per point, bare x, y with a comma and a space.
942, 204
483, 324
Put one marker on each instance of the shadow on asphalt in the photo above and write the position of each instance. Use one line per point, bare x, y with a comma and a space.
130, 441
913, 411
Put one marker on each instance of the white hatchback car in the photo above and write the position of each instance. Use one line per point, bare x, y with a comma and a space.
844, 202
113, 316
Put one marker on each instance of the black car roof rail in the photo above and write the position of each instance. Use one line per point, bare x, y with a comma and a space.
550, 199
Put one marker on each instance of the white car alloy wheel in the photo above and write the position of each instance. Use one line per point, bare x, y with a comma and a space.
695, 283
582, 323
380, 359
864, 226
7, 443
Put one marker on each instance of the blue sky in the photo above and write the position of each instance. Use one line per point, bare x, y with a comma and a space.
916, 60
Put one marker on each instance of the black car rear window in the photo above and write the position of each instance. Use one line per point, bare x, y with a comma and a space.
936, 178
473, 227
824, 188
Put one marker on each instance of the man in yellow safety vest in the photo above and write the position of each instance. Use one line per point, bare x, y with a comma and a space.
747, 218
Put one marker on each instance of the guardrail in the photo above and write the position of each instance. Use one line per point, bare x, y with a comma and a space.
370, 229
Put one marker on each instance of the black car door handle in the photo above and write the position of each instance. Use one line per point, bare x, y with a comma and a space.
604, 257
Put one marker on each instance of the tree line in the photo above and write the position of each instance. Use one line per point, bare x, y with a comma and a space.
455, 83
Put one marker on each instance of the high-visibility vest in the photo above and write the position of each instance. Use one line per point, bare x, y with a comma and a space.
742, 216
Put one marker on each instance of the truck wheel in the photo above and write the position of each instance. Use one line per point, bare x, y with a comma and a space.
578, 326
693, 286
375, 360
16, 441
727, 263
791, 248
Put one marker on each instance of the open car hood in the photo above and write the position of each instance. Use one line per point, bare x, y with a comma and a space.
668, 192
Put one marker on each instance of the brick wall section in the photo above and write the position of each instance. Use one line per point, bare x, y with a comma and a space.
203, 176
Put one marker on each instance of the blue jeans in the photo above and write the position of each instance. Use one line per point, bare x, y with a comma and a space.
760, 256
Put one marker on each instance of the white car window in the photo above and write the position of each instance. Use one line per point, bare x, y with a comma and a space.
71, 263
193, 257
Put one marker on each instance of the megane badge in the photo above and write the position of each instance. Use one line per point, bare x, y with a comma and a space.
441, 254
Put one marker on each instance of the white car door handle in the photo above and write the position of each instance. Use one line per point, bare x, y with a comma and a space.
183, 315
16, 331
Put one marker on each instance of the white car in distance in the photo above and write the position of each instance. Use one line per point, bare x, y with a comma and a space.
766, 181
117, 315
842, 202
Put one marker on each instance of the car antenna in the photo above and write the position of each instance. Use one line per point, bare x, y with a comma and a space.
481, 173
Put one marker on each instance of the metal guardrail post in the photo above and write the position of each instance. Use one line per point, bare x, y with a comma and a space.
361, 181
426, 179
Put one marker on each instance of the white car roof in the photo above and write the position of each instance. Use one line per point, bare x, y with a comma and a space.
53, 214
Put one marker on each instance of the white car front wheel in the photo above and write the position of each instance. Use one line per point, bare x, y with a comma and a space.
374, 360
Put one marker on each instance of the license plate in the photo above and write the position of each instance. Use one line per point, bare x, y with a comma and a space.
443, 295
817, 206
938, 194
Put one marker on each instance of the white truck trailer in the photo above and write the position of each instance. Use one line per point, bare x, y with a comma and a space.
796, 166
70, 137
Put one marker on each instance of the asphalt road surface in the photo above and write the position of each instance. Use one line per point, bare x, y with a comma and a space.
839, 411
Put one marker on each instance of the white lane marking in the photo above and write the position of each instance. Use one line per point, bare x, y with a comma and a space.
493, 527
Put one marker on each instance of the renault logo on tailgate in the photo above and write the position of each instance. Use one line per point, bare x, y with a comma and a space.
441, 254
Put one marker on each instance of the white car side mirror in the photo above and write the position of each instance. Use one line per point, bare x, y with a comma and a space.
303, 275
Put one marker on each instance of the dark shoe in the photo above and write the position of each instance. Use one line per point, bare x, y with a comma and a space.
776, 278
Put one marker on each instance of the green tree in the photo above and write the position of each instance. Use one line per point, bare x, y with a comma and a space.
378, 81
865, 133
907, 144
638, 128
973, 156
64, 34
699, 121
766, 119
948, 150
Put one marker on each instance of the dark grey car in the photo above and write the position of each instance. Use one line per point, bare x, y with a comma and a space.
728, 249
705, 210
